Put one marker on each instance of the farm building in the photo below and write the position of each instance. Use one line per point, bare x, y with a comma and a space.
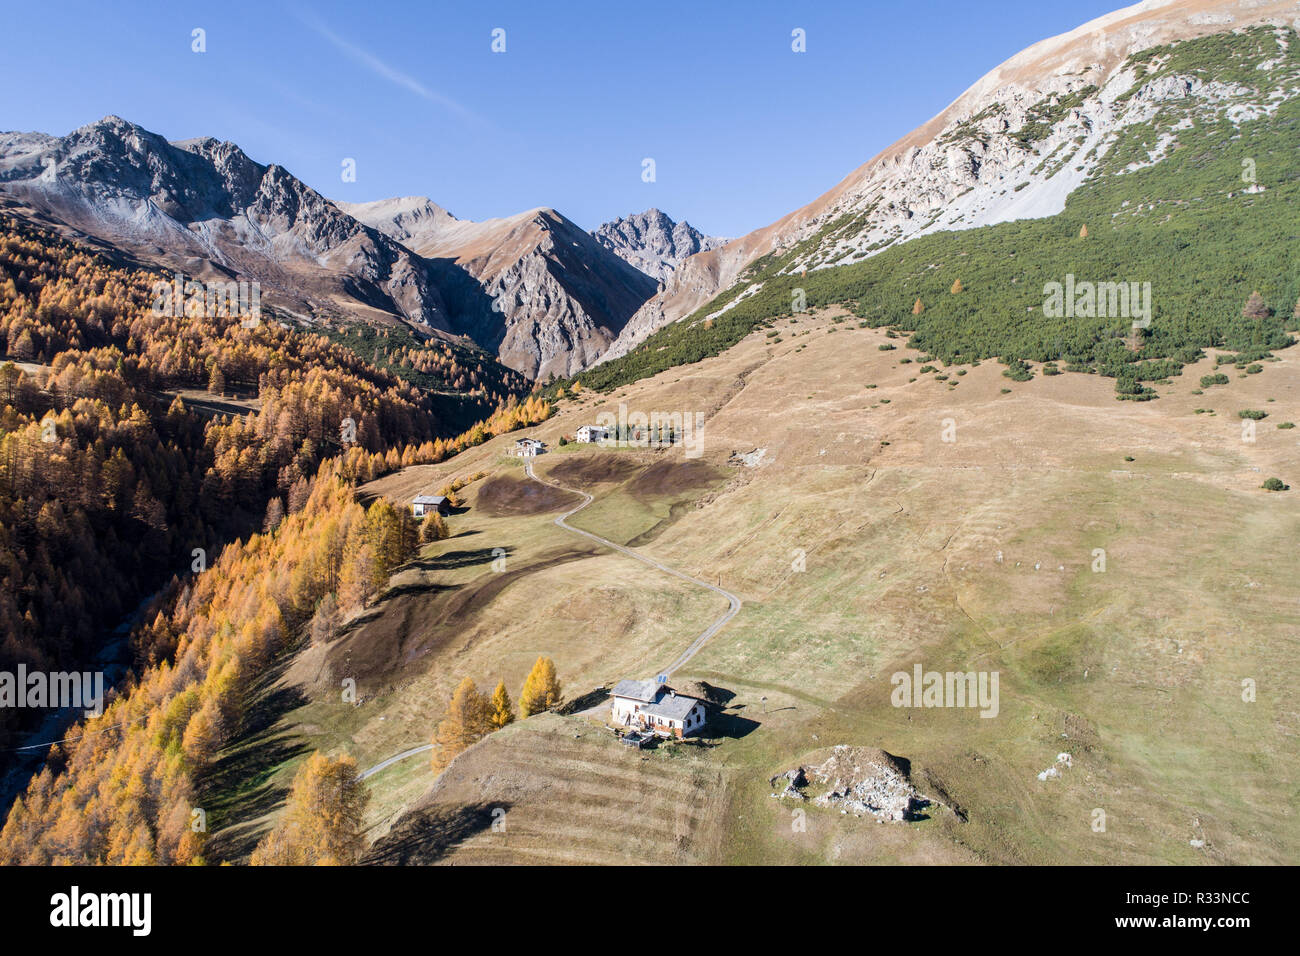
656, 708
528, 447
427, 504
589, 434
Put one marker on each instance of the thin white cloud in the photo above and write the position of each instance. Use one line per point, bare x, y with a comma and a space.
382, 69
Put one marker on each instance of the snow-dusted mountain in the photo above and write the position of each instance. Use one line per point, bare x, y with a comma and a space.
535, 288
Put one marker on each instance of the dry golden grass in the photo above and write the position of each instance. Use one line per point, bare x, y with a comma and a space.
970, 554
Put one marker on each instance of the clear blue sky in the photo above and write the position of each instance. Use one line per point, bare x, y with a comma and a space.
741, 128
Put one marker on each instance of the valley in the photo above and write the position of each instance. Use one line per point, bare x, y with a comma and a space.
959, 502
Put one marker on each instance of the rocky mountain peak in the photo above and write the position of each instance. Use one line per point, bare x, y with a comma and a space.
203, 204
652, 242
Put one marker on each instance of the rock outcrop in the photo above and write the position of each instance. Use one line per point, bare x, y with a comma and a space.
545, 296
653, 243
863, 781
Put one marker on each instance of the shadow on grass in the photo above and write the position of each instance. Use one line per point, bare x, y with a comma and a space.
461, 559
425, 835
238, 790
731, 726
402, 590
584, 701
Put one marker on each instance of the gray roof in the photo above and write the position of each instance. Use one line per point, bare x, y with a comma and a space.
643, 690
429, 499
671, 708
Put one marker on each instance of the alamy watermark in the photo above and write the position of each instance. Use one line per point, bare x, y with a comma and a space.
1098, 300
626, 429
56, 690
209, 300
74, 909
923, 688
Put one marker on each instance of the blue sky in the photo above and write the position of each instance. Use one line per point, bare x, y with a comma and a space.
742, 130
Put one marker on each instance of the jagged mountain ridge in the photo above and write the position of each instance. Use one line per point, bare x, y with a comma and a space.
204, 206
652, 242
1013, 146
534, 288
549, 299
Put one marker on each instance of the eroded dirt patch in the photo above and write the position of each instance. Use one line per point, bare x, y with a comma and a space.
668, 477
586, 470
504, 496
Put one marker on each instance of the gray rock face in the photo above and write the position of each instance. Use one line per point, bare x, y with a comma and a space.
652, 242
205, 207
541, 292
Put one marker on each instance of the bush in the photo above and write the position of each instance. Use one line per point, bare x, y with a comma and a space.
1274, 484
1252, 413
1217, 379
1018, 371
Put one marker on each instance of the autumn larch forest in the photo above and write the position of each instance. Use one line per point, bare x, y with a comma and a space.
123, 478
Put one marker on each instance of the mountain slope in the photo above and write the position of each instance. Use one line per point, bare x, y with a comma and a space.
549, 299
653, 243
1192, 234
204, 207
1008, 148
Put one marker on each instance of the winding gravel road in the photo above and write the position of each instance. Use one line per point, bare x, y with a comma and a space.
707, 633
562, 521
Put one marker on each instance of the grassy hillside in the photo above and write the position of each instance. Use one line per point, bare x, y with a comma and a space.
971, 554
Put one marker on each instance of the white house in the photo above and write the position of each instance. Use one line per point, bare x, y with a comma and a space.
528, 447
589, 434
427, 504
656, 708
